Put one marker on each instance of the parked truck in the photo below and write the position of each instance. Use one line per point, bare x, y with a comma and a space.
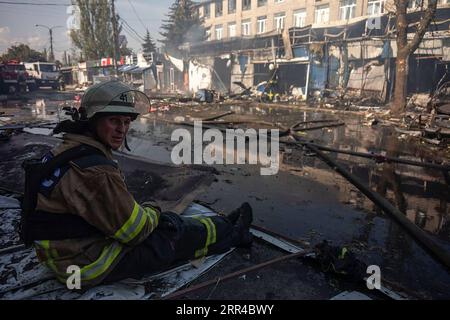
13, 77
45, 74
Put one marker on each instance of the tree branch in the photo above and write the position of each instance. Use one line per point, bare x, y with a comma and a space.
423, 26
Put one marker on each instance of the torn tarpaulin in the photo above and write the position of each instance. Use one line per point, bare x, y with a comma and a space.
178, 63
200, 77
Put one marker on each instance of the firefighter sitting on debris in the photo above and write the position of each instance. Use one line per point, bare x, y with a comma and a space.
77, 209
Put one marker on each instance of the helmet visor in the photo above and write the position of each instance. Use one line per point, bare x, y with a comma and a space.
133, 102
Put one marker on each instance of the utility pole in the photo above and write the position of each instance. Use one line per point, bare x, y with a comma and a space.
52, 55
114, 22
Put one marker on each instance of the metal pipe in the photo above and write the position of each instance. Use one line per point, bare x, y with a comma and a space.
312, 121
331, 125
377, 157
218, 116
236, 274
436, 251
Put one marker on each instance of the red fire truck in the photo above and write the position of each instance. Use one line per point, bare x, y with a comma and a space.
14, 77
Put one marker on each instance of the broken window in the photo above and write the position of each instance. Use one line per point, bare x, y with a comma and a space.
208, 33
300, 18
262, 3
246, 4
347, 9
219, 8
207, 10
415, 4
246, 27
279, 20
231, 6
262, 24
375, 7
322, 14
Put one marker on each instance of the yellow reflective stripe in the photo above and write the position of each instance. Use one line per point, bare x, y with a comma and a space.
122, 232
343, 253
133, 226
152, 215
214, 232
202, 252
89, 272
141, 224
45, 244
211, 236
107, 257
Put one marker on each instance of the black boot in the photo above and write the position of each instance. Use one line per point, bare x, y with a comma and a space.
241, 231
241, 237
245, 209
234, 215
246, 217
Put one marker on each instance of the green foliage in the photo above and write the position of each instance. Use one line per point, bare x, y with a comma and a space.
148, 46
95, 37
23, 53
182, 25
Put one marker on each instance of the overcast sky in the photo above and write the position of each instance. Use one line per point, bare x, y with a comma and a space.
17, 23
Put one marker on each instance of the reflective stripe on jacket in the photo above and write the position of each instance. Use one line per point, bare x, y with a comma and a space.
97, 194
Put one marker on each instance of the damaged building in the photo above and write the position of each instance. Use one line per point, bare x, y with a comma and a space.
313, 47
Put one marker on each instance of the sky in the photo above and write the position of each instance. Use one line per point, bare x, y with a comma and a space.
17, 23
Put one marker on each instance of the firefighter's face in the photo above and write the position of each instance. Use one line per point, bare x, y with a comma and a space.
112, 130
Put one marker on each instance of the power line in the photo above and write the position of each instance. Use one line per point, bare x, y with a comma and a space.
135, 12
132, 29
35, 4
127, 29
131, 34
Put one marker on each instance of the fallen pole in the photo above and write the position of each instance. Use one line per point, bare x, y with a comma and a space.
235, 274
379, 157
218, 116
191, 124
331, 125
440, 254
240, 122
312, 121
436, 251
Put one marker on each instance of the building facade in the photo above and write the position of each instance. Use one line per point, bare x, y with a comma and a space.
225, 19
316, 45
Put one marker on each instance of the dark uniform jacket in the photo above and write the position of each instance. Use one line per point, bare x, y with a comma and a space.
97, 194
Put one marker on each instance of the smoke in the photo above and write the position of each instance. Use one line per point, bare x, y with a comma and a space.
195, 33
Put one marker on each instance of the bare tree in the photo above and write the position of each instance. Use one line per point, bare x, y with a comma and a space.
405, 48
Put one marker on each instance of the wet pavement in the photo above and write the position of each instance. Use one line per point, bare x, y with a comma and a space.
307, 200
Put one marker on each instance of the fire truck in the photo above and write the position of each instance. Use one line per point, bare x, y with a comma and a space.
14, 77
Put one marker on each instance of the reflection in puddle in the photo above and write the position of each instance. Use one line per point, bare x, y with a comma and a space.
422, 194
